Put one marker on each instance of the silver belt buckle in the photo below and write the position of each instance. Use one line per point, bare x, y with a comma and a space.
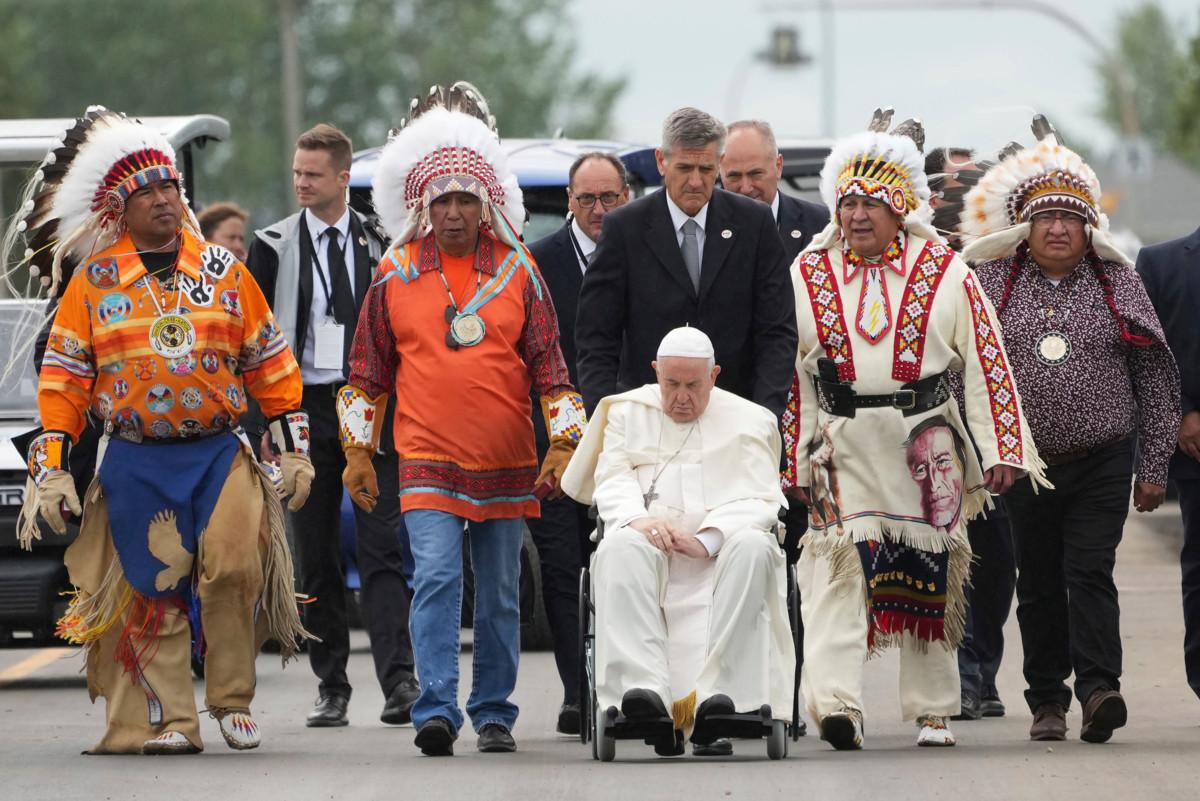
904, 399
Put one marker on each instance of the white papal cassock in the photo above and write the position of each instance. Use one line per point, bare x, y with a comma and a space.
688, 628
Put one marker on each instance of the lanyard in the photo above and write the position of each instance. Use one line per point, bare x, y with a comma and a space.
583, 260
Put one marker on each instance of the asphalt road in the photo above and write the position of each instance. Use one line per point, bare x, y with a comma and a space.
46, 720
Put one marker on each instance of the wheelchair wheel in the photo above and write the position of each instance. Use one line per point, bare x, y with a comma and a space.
584, 645
777, 740
604, 745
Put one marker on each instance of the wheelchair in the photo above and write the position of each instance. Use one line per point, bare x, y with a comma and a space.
603, 727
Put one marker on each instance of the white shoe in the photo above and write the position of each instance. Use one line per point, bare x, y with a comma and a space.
169, 742
843, 730
934, 732
240, 731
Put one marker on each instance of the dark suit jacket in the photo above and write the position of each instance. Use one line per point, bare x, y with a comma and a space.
263, 264
1171, 273
799, 221
637, 289
559, 266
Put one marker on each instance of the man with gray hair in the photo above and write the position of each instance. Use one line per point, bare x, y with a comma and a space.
752, 166
688, 255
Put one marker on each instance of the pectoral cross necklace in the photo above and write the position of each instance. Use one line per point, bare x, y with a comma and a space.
650, 495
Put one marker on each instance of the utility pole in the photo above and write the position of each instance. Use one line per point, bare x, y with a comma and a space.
292, 86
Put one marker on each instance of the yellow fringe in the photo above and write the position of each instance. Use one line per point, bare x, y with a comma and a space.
683, 712
88, 617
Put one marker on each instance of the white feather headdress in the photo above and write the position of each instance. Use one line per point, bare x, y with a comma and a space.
886, 166
75, 202
1046, 177
449, 146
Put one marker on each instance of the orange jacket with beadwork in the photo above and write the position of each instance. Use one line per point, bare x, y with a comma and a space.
99, 354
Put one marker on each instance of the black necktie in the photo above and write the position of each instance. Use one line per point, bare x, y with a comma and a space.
341, 296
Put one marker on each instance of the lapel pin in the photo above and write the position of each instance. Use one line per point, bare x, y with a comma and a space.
726, 234
362, 240
795, 234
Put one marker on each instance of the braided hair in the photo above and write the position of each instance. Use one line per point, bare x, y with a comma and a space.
1136, 340
1102, 277
1018, 262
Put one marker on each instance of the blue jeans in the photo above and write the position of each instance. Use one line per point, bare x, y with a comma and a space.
436, 541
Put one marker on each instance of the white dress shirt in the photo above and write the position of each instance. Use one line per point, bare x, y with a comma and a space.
585, 244
775, 208
318, 310
678, 218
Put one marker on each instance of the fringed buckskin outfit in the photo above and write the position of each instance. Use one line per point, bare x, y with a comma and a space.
875, 435
181, 545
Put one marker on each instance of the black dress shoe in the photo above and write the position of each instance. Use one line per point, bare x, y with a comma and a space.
722, 746
436, 737
568, 719
329, 711
968, 707
990, 705
495, 738
705, 733
639, 704
802, 729
398, 709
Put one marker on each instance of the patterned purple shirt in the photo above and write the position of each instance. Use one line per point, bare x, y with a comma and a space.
1106, 388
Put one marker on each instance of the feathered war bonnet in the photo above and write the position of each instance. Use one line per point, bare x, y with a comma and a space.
888, 167
449, 144
74, 205
1046, 177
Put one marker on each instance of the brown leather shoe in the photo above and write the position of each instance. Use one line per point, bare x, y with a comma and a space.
1049, 723
1104, 711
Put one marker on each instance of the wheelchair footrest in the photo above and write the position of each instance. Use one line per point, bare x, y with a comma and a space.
741, 725
619, 727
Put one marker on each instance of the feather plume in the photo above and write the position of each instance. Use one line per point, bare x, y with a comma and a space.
914, 129
881, 119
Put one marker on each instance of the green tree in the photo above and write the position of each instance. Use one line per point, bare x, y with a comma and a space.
362, 61
1164, 64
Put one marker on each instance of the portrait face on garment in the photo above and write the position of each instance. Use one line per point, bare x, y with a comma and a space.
750, 165
1057, 238
153, 213
318, 184
595, 190
686, 385
869, 225
689, 175
455, 219
936, 457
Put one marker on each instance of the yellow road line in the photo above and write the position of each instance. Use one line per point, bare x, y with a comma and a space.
31, 664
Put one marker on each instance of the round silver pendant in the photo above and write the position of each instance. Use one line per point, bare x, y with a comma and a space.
1053, 348
467, 329
172, 336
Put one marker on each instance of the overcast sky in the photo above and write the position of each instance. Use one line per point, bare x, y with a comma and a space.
973, 77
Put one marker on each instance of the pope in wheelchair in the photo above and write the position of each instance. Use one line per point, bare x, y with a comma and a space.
689, 585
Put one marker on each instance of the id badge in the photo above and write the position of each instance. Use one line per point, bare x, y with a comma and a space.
329, 343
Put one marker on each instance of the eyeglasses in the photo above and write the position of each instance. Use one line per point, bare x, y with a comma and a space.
608, 199
1045, 219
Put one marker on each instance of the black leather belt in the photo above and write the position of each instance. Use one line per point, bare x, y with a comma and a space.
837, 397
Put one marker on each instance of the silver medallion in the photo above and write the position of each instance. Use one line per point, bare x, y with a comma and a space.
1053, 348
172, 336
467, 329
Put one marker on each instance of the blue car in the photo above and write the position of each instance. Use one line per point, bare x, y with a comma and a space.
541, 166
